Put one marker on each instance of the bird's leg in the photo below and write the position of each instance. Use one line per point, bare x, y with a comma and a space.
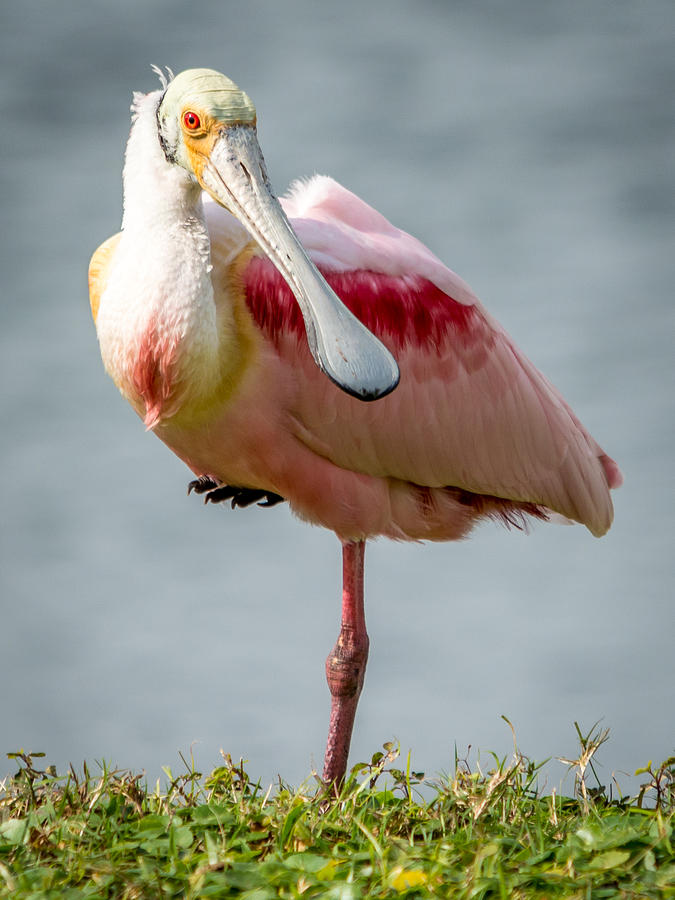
346, 664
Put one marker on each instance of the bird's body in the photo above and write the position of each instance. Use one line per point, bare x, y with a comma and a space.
203, 336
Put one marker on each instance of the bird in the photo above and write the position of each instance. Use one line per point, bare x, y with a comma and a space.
307, 350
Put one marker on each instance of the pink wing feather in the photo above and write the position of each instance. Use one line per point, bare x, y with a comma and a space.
470, 413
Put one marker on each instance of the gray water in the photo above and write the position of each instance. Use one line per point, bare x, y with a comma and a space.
530, 145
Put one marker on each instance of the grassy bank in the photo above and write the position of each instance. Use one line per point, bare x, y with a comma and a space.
473, 834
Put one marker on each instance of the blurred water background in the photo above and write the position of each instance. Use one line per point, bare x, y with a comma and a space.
530, 145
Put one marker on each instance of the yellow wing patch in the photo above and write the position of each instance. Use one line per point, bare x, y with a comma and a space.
98, 271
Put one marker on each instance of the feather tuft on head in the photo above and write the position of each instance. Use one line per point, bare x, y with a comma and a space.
164, 79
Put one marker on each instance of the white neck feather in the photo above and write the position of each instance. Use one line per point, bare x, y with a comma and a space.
158, 309
156, 193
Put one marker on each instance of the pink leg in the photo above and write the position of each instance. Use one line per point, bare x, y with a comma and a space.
346, 664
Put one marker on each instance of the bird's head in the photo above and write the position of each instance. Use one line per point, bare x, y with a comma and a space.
207, 126
196, 108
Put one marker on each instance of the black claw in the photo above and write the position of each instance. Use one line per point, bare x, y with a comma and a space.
271, 499
220, 493
240, 497
246, 496
201, 485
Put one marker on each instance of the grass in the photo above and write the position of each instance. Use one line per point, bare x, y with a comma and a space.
473, 834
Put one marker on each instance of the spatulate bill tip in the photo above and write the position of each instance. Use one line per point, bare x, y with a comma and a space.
365, 385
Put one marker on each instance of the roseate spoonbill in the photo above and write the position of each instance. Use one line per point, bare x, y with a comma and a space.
196, 314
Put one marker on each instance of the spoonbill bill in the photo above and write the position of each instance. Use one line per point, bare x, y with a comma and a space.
214, 305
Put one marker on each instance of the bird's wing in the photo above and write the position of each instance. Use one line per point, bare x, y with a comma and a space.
343, 233
98, 271
470, 411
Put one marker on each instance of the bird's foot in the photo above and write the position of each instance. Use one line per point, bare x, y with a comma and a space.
216, 492
202, 485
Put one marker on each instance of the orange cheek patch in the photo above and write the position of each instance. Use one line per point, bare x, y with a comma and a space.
196, 159
199, 148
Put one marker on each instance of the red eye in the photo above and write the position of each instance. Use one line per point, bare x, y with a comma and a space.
191, 120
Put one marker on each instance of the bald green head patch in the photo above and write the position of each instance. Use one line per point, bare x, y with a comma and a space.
210, 91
